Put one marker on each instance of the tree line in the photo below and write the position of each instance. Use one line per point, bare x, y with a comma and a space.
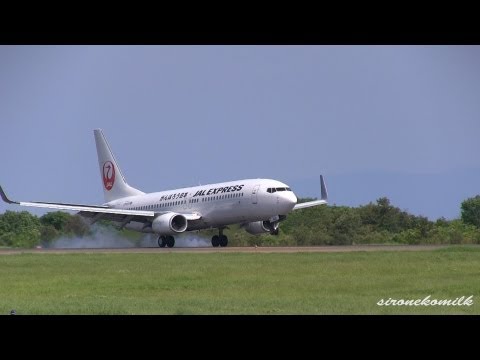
374, 223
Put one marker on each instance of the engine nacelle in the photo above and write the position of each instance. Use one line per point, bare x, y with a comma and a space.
169, 224
260, 227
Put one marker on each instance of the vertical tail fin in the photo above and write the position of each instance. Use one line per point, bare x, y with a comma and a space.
113, 181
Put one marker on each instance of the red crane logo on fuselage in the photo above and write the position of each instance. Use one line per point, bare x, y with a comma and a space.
108, 175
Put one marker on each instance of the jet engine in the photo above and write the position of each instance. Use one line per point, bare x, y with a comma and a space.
261, 227
169, 224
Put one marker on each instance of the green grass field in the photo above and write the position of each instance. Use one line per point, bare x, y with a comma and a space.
238, 283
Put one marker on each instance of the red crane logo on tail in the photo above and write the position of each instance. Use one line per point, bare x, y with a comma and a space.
108, 175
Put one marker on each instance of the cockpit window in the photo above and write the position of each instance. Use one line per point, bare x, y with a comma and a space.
272, 190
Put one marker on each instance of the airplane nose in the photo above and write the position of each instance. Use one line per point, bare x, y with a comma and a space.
291, 198
287, 201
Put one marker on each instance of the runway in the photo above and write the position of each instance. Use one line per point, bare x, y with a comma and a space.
208, 250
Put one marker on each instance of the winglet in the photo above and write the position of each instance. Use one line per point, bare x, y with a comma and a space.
323, 189
5, 198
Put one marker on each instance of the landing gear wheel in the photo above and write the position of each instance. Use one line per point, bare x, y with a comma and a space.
161, 241
223, 240
215, 241
170, 241
274, 232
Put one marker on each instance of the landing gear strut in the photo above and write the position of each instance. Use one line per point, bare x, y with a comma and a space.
166, 241
220, 239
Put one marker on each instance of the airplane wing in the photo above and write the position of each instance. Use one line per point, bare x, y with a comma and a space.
323, 199
97, 212
309, 204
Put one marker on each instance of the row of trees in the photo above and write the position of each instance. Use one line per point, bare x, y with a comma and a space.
374, 223
22, 229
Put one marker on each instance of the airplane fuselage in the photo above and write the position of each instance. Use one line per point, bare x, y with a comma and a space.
220, 204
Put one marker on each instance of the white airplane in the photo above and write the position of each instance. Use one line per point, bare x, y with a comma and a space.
258, 205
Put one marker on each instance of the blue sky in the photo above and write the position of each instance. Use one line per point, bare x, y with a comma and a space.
395, 121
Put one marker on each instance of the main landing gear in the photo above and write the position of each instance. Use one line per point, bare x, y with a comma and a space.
220, 239
166, 241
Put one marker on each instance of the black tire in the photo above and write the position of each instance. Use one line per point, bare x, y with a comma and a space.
223, 241
215, 241
170, 241
161, 241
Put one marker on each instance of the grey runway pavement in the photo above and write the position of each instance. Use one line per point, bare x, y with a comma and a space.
205, 250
